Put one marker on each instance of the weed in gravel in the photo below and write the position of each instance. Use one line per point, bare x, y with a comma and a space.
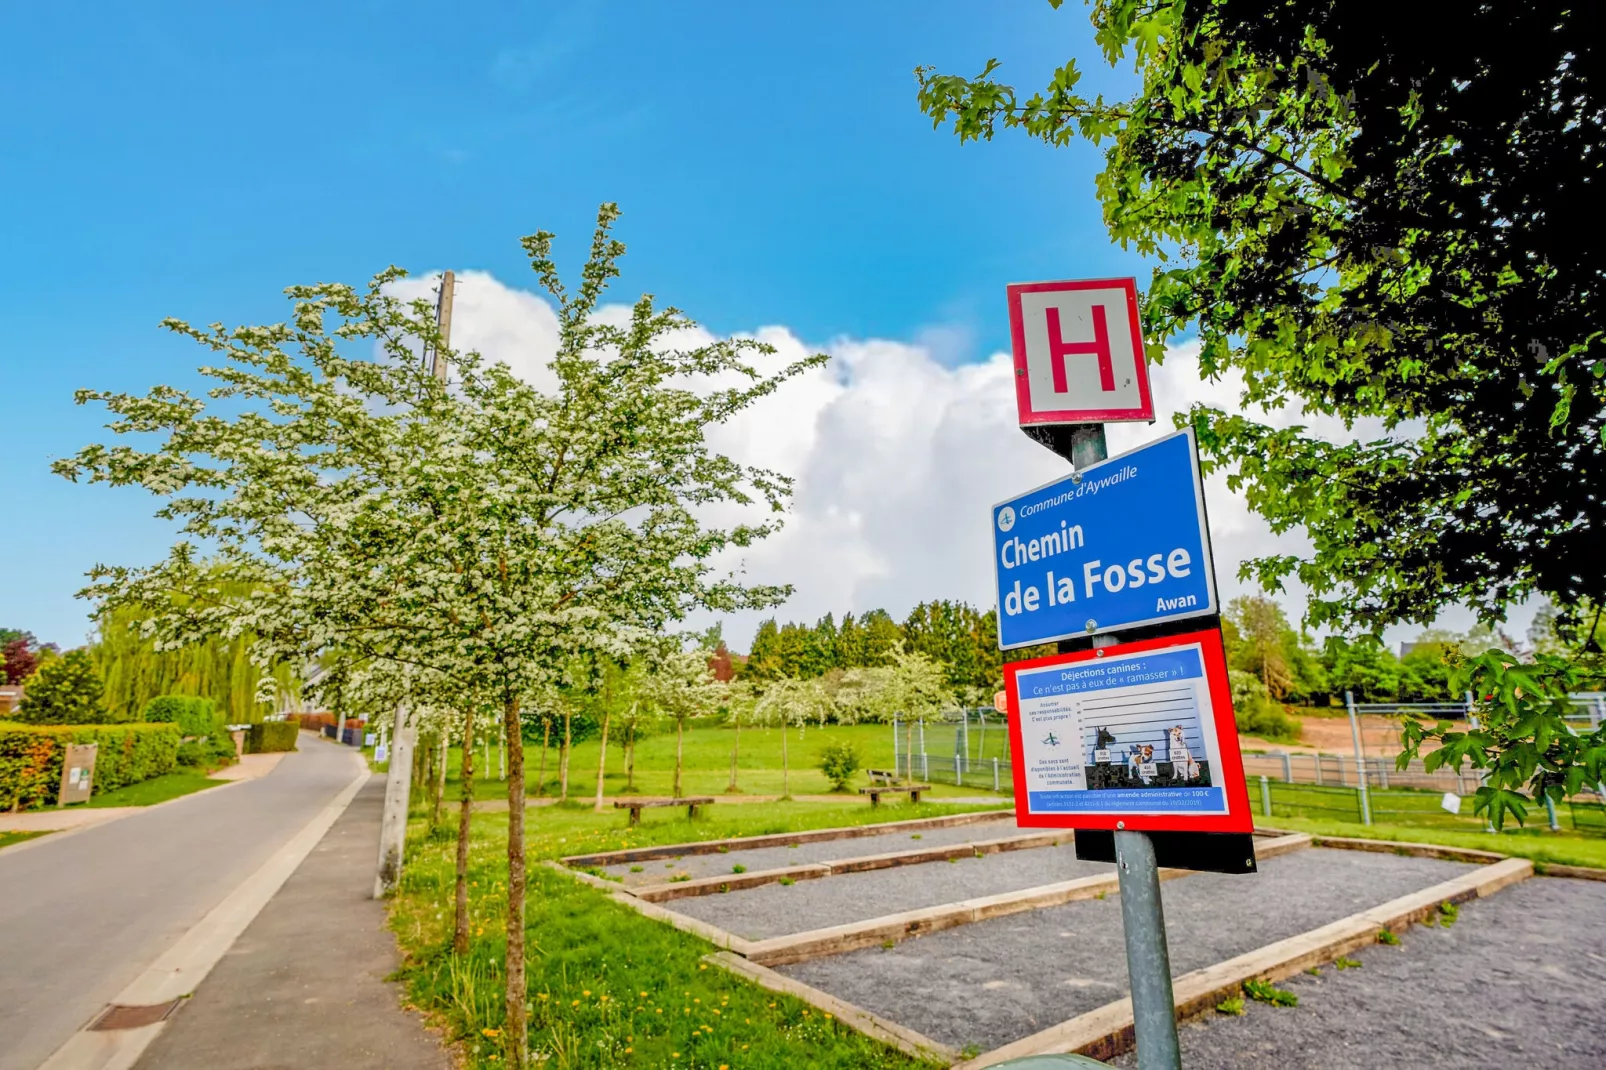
677, 878
1233, 1006
739, 868
1344, 962
1386, 937
916, 835
970, 1051
1315, 971
1101, 895
1266, 992
635, 869
1448, 913
722, 849
786, 882
888, 945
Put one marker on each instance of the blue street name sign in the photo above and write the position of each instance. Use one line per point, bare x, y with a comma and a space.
1120, 544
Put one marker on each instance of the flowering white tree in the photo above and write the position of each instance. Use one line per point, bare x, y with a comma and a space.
680, 687
481, 529
787, 702
915, 687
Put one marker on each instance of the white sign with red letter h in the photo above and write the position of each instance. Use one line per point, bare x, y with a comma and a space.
1079, 352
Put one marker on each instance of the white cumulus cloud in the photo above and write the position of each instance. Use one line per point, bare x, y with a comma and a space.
897, 455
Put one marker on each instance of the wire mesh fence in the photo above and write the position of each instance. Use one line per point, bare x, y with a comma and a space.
1400, 806
1334, 770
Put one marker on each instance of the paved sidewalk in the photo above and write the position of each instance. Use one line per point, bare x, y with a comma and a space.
304, 986
83, 914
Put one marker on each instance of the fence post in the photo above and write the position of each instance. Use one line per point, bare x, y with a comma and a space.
1360, 759
959, 780
925, 766
895, 767
1288, 769
995, 774
1317, 759
1550, 809
1383, 773
1265, 796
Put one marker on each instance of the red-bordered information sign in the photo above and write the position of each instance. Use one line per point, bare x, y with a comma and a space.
1138, 736
1078, 352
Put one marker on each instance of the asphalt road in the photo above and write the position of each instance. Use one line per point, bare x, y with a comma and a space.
81, 916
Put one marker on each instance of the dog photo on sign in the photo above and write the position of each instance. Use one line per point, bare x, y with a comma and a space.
1146, 741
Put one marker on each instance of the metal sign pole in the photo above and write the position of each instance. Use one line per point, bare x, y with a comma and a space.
1148, 960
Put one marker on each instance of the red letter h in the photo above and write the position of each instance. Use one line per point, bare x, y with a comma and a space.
1059, 349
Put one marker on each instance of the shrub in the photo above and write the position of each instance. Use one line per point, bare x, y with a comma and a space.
31, 758
271, 736
839, 762
208, 752
67, 691
195, 716
1255, 712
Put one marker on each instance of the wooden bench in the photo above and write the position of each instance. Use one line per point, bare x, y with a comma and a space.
881, 776
875, 791
636, 806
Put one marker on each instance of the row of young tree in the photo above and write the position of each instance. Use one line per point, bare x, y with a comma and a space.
463, 544
953, 634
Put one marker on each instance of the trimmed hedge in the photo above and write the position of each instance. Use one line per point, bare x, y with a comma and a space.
271, 736
31, 757
194, 716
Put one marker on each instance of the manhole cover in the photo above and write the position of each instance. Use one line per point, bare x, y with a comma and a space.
119, 1016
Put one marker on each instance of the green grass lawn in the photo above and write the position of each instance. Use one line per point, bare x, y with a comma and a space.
708, 759
608, 987
9, 838
155, 790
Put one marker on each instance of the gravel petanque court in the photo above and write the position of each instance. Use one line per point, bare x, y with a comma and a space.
1515, 982
982, 985
781, 910
711, 865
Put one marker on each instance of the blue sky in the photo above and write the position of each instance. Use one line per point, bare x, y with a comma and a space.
193, 159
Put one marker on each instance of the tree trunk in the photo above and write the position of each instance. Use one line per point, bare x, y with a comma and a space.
602, 762
630, 757
438, 787
515, 1027
563, 756
546, 737
680, 736
465, 815
736, 745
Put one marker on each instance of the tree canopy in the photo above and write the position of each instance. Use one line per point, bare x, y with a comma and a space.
64, 691
1372, 215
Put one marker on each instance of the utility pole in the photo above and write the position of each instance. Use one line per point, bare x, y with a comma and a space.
443, 322
399, 779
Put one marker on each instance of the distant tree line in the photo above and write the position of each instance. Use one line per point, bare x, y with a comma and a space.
961, 638
1289, 664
